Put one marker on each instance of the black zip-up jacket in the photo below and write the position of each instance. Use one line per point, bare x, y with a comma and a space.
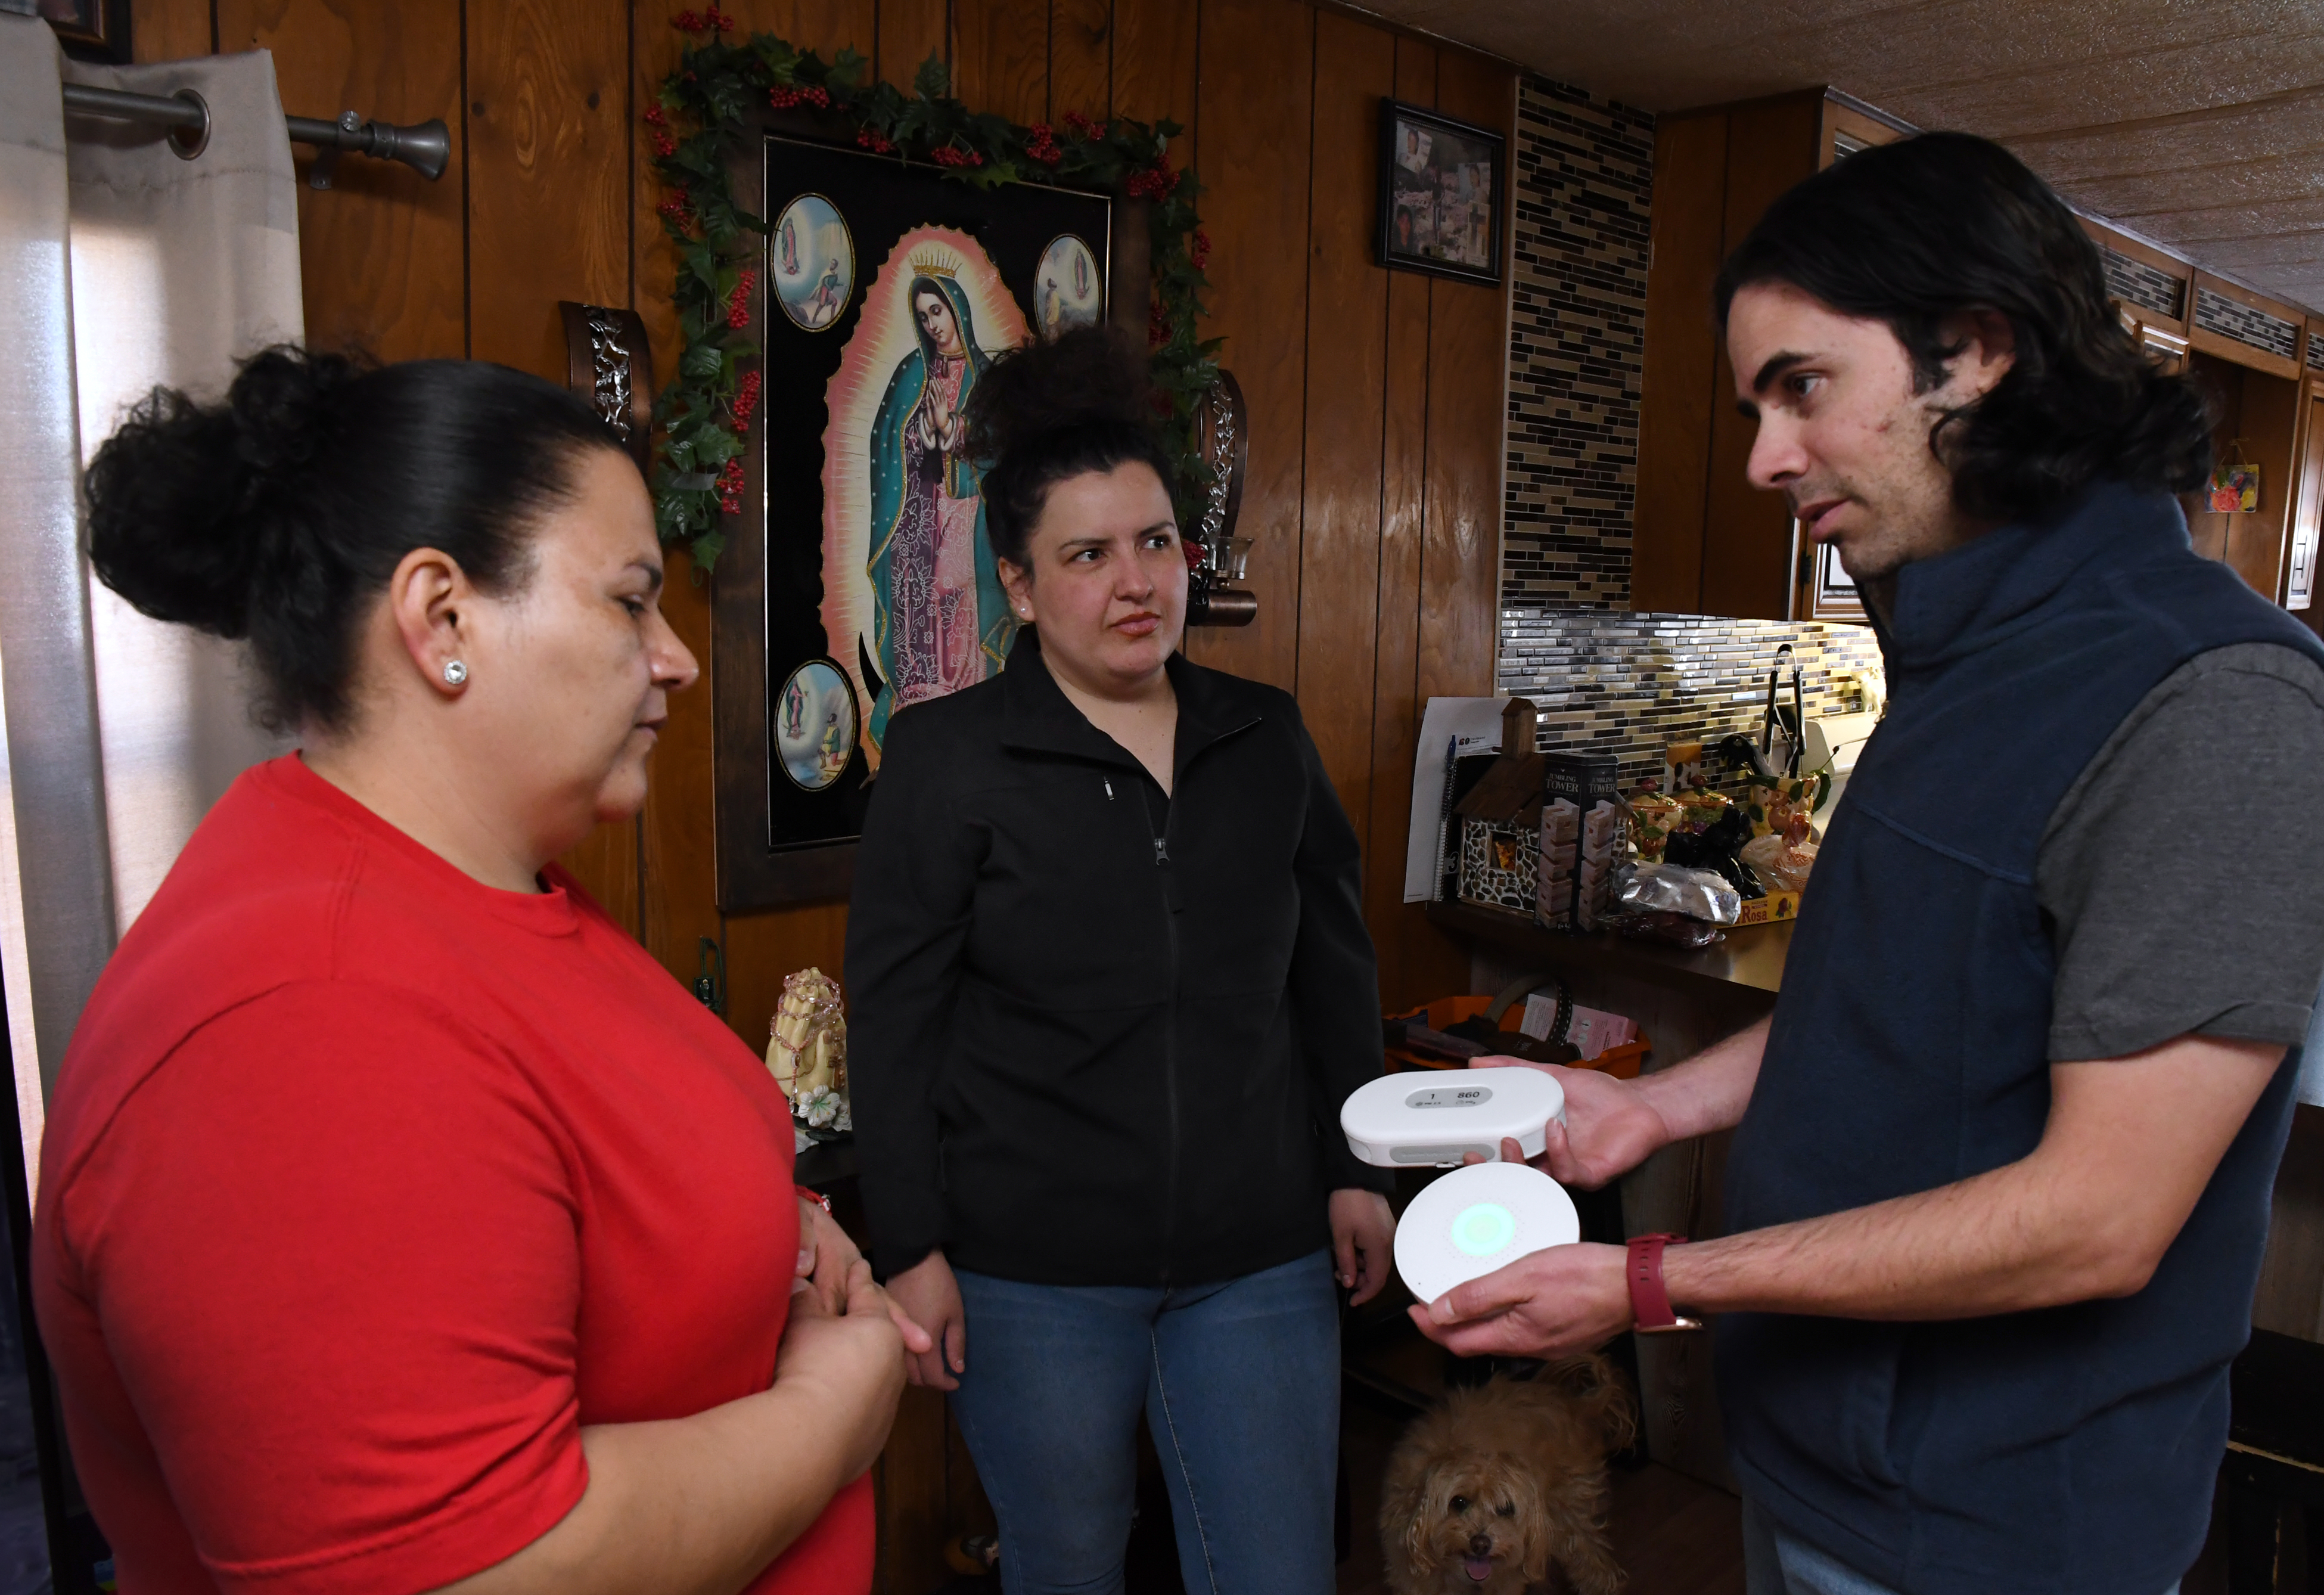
1083, 1054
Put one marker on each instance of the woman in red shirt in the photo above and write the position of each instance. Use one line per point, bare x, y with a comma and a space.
402, 1224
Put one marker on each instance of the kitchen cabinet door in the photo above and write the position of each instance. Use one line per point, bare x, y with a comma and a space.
2258, 416
2307, 514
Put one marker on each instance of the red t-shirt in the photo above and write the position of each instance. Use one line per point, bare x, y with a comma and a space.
366, 1185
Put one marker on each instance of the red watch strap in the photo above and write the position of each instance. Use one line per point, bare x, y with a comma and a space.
1650, 1303
817, 1197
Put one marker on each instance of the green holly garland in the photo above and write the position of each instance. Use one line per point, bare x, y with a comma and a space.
704, 410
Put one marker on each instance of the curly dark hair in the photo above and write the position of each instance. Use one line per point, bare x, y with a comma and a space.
278, 514
1083, 403
1912, 232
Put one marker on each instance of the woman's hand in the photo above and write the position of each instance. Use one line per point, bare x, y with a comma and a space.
856, 1353
1363, 1238
930, 1296
827, 1258
700, 1505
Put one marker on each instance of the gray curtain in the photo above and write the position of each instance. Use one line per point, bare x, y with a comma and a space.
127, 267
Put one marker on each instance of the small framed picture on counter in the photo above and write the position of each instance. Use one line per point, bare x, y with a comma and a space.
1440, 188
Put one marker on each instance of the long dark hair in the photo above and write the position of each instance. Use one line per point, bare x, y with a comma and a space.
1083, 402
1912, 232
280, 513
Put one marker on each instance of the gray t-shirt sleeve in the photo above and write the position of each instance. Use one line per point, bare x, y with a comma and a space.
2182, 875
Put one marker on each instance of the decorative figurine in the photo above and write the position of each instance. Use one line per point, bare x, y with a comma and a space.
808, 1055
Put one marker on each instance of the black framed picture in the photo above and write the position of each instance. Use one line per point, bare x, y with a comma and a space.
862, 580
1440, 188
89, 30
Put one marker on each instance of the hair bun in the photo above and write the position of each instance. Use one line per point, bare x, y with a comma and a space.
1088, 375
185, 500
277, 401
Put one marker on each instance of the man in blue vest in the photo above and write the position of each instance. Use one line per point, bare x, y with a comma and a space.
2000, 1181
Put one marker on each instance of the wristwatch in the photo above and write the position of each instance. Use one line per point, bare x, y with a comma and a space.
1650, 1303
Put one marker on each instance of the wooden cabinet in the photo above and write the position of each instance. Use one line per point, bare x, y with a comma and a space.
1705, 541
2259, 365
2247, 351
2257, 421
2152, 292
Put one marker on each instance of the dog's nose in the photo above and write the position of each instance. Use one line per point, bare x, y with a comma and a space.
1480, 1544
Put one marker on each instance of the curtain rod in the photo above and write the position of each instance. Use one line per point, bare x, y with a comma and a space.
425, 147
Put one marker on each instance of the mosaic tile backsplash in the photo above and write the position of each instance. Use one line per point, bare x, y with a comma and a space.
1577, 343
1606, 678
2148, 287
1631, 685
2215, 312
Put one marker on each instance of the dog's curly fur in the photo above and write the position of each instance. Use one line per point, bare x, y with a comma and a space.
1508, 1477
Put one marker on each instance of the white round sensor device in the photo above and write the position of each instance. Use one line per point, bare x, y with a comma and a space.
1476, 1220
1435, 1118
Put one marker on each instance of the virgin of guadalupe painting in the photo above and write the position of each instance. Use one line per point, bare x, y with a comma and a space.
858, 579
902, 497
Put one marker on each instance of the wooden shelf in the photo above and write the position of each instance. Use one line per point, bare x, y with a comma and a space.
1751, 957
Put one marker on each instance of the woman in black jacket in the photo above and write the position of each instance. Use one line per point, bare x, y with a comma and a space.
1110, 983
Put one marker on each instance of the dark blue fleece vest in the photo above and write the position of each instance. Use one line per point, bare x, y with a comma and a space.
2072, 1450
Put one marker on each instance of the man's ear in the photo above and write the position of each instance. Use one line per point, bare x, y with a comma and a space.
1989, 348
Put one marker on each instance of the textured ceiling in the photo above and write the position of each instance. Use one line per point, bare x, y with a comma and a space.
2200, 125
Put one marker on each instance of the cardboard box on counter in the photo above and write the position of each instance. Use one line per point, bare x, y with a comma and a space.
1768, 909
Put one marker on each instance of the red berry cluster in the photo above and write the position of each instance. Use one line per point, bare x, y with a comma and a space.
1157, 326
873, 141
730, 488
746, 400
1041, 143
664, 145
738, 303
712, 20
952, 155
784, 95
678, 209
1084, 126
1194, 552
655, 116
1199, 250
1151, 183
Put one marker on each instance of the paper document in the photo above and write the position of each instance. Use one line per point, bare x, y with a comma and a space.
1467, 726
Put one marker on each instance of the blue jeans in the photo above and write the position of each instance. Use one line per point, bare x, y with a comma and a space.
1239, 1382
1776, 1562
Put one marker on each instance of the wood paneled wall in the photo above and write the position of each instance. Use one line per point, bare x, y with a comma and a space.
1376, 398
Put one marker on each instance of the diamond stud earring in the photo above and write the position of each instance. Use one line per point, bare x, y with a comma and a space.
455, 671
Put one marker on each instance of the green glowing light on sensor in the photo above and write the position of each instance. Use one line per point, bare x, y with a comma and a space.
1483, 1229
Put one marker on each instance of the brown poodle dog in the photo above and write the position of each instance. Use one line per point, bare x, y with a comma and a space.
1490, 1490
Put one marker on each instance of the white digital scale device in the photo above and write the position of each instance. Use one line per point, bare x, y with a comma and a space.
1434, 1117
1476, 1218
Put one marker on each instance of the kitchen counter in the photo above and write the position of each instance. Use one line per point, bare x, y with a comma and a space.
1751, 956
